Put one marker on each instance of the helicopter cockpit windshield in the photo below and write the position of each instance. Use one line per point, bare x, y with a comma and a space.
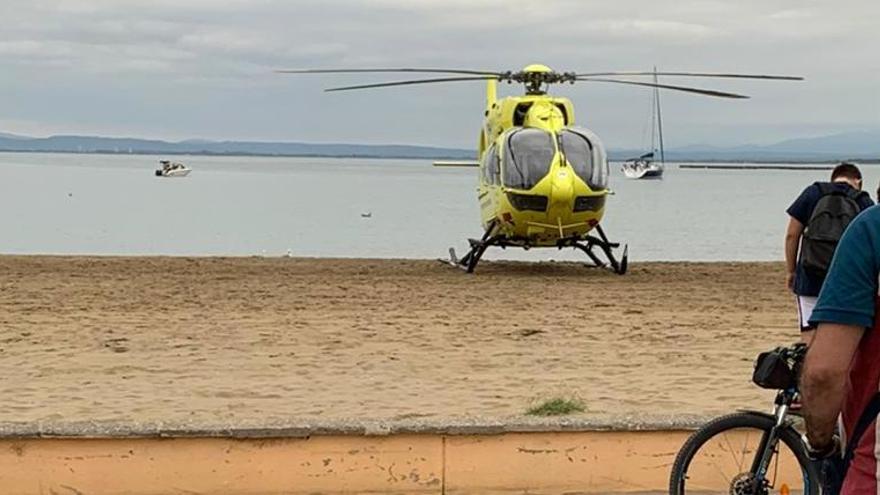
585, 154
528, 155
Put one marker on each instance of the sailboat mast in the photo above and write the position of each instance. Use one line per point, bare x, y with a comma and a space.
654, 119
659, 118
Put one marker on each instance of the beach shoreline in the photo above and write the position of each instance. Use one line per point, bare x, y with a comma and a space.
141, 339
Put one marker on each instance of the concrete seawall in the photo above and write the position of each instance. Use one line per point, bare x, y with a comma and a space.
516, 455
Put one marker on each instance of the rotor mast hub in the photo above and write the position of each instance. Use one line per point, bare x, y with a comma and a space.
537, 77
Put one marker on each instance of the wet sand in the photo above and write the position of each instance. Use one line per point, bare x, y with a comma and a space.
178, 339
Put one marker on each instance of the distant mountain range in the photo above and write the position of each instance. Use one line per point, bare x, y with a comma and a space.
92, 144
12, 136
857, 146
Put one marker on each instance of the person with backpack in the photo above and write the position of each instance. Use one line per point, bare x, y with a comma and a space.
841, 372
817, 219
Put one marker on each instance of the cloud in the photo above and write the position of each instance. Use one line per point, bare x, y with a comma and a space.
641, 29
34, 49
792, 15
205, 54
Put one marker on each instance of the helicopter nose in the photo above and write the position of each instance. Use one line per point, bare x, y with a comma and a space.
562, 191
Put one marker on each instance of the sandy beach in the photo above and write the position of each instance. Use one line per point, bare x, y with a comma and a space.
152, 339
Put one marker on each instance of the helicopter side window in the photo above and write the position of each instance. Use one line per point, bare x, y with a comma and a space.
527, 158
490, 166
584, 151
578, 152
562, 109
494, 166
519, 114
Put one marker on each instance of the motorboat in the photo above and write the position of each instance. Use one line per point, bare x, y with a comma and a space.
167, 168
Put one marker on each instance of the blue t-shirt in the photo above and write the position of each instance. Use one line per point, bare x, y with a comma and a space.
801, 210
850, 290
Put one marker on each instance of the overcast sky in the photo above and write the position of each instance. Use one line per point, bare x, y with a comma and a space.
180, 69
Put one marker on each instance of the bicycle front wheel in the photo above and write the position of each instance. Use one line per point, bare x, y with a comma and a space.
725, 457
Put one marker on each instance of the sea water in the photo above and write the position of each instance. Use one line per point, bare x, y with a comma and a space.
345, 207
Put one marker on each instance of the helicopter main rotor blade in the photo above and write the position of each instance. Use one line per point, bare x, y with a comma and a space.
699, 91
412, 81
693, 74
411, 70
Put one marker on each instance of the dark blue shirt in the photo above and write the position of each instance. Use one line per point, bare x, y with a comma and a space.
850, 290
801, 210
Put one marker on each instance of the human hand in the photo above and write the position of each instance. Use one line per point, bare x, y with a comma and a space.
789, 281
828, 463
831, 473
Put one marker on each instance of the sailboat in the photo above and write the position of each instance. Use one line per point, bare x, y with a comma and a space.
645, 166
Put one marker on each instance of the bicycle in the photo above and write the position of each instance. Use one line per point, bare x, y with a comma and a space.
777, 463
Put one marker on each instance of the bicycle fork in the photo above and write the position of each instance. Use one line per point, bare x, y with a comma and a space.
766, 448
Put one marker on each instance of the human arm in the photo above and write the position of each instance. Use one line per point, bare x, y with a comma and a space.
844, 309
792, 240
823, 380
799, 213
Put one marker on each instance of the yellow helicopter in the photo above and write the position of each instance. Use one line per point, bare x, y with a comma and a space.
543, 181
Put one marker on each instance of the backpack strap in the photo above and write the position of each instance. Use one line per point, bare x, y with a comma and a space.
826, 188
868, 416
855, 194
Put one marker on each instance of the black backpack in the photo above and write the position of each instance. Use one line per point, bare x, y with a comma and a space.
833, 212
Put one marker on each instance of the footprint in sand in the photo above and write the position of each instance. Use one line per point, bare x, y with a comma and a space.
118, 344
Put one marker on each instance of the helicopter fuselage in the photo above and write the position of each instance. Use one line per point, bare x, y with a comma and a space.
542, 179
543, 182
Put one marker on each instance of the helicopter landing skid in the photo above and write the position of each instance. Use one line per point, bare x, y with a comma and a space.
588, 242
469, 262
585, 243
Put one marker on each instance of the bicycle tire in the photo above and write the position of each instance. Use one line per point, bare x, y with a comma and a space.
757, 421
